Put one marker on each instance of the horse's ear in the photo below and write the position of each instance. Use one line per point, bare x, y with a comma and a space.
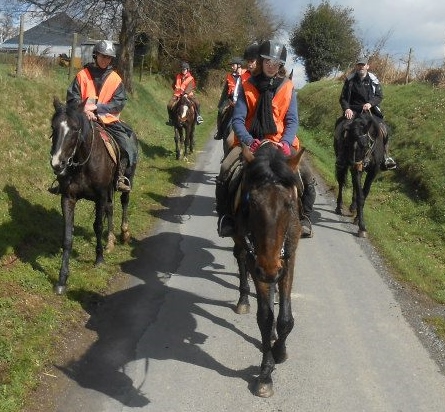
247, 154
291, 74
57, 103
82, 105
294, 161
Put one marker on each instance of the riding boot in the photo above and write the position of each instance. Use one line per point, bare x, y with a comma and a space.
307, 202
226, 223
388, 162
123, 183
199, 118
55, 188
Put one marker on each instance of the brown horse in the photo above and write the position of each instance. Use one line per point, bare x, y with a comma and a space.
184, 120
267, 232
359, 146
85, 170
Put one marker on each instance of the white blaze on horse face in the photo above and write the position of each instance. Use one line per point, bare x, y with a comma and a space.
184, 110
63, 131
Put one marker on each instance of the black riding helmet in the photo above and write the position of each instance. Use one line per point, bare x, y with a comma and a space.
251, 52
105, 47
236, 60
273, 50
185, 65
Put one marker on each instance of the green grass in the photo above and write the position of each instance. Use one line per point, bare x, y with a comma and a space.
34, 320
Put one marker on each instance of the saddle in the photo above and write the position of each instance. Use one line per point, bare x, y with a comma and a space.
110, 144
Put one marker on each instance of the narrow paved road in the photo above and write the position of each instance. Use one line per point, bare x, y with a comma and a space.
171, 341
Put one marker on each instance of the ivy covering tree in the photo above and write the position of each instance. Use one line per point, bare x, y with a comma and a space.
325, 40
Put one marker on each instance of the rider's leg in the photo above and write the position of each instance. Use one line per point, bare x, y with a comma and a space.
226, 224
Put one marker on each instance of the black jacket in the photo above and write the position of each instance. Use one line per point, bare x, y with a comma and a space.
357, 92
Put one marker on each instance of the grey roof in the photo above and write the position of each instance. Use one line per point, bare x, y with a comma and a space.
56, 31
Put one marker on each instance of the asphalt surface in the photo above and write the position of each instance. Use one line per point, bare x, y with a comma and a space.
171, 341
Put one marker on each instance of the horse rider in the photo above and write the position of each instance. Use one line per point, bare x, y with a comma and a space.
105, 91
266, 109
362, 92
184, 84
230, 91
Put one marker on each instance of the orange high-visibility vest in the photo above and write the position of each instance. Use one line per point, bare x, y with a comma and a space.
183, 83
280, 106
88, 91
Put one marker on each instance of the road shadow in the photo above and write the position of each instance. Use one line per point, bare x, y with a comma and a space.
123, 318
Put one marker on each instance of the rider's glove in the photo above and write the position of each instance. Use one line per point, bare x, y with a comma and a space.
255, 145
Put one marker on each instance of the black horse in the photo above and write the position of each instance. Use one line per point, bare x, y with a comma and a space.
359, 146
184, 120
267, 233
85, 169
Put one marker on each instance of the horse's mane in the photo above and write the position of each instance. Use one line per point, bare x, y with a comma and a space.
269, 166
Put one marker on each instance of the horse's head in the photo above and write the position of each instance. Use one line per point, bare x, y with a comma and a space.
184, 110
271, 217
66, 125
362, 134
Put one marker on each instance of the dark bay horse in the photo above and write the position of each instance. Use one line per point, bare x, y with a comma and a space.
184, 120
267, 233
85, 170
359, 146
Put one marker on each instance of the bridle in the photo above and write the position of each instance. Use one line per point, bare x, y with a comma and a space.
70, 163
249, 245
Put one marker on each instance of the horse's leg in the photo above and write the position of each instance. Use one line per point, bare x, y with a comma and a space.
99, 228
109, 213
360, 201
177, 146
341, 172
125, 232
265, 320
186, 141
192, 138
285, 320
243, 305
68, 206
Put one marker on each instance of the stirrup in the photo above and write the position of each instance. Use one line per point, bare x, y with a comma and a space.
199, 119
390, 164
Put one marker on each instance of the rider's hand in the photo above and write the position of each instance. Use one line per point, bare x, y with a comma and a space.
366, 107
90, 115
349, 114
285, 148
255, 145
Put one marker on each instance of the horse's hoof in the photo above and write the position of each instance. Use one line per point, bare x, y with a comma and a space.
362, 233
60, 289
99, 261
338, 211
242, 309
125, 237
264, 390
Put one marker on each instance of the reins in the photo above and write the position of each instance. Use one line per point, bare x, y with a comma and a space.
70, 161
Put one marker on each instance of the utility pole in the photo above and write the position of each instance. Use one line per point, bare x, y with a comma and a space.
408, 66
73, 56
20, 48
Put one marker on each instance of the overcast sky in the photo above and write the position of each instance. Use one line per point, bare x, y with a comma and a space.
415, 24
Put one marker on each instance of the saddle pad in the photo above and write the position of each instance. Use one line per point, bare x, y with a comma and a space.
106, 138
